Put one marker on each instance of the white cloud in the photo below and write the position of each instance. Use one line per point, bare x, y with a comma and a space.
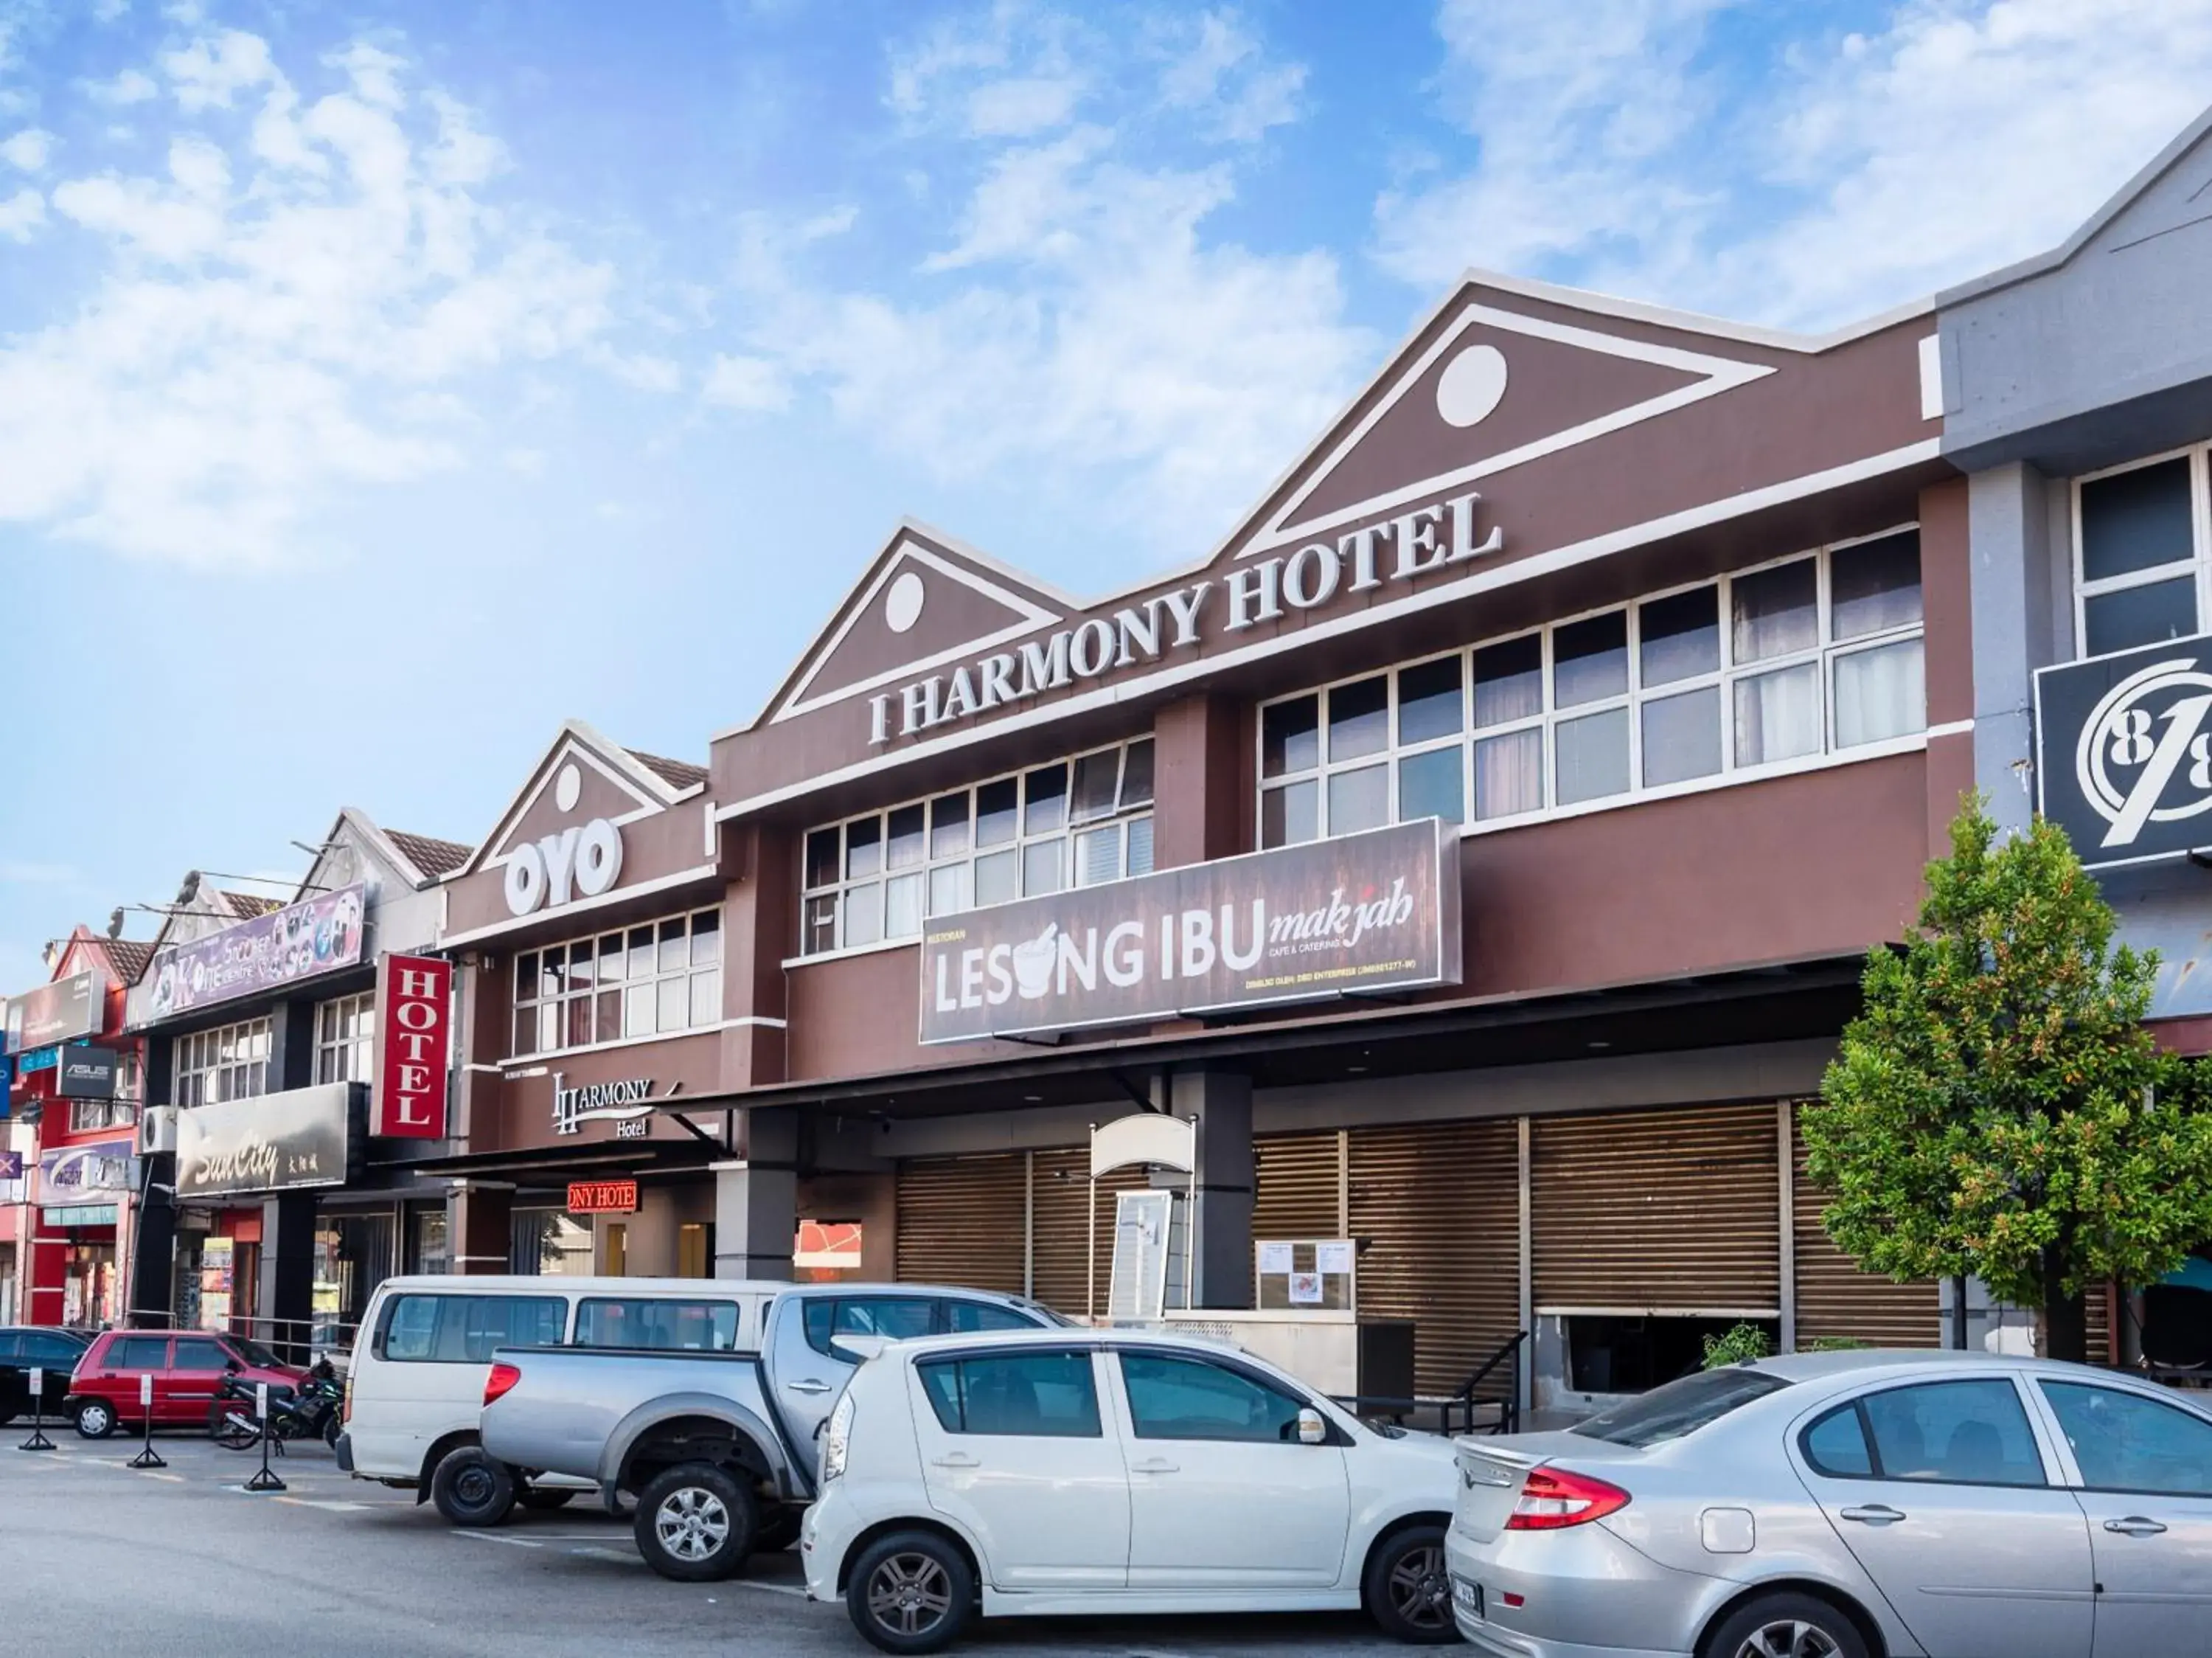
1223, 74
1837, 176
28, 151
1022, 105
296, 304
528, 463
21, 214
745, 382
20, 872
132, 86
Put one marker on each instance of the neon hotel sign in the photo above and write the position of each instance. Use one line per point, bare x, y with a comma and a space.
1417, 542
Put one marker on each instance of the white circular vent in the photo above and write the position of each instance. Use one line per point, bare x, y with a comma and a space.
566, 787
902, 605
1472, 385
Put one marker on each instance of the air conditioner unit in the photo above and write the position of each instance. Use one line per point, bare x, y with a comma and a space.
157, 1129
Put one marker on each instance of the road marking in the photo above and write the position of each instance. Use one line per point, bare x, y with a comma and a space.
488, 1537
765, 1589
174, 1479
331, 1504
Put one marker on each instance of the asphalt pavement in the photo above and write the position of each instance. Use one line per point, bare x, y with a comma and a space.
100, 1560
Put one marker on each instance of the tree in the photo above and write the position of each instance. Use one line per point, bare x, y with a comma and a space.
1997, 1108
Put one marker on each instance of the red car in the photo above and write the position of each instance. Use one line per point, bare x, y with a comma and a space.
187, 1367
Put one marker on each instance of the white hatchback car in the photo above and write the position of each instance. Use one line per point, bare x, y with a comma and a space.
1097, 1471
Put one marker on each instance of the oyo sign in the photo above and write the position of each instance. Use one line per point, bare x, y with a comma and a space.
547, 873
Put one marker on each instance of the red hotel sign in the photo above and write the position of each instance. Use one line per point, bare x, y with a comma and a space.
414, 1002
602, 1196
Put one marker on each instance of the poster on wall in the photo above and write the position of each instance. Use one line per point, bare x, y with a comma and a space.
60, 1012
318, 935
217, 1258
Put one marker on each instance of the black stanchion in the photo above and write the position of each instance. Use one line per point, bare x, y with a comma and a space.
38, 1441
147, 1458
264, 1481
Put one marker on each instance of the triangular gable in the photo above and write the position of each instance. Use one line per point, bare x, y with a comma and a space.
1489, 390
922, 603
582, 776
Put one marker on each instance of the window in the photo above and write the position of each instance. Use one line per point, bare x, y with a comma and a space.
50, 1352
900, 1318
345, 1038
2125, 1442
1967, 1433
89, 1114
1189, 1398
427, 1329
1074, 823
1028, 1395
668, 1326
199, 1355
646, 980
228, 1063
1678, 1407
138, 1353
1836, 1445
1819, 654
966, 1318
2140, 562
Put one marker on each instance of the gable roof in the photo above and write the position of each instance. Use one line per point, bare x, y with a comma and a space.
653, 782
677, 774
246, 905
432, 858
128, 957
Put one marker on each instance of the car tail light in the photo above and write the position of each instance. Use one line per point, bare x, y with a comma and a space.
504, 1376
1552, 1499
345, 1406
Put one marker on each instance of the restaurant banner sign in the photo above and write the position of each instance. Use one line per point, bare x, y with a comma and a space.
59, 1012
318, 935
1373, 912
266, 1143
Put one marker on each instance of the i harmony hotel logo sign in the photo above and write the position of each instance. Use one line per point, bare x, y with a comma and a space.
2124, 752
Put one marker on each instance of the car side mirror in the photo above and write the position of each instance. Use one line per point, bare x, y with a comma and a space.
1312, 1431
232, 1365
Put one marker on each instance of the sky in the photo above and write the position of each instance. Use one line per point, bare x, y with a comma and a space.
382, 383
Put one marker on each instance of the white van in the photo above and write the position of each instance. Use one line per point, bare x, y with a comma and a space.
415, 1389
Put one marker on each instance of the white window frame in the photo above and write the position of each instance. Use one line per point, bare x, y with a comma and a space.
1826, 651
837, 895
2199, 564
701, 979
224, 1062
345, 1037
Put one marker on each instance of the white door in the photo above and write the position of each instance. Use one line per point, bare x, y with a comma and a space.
1941, 1491
2145, 1469
1222, 1494
1015, 1449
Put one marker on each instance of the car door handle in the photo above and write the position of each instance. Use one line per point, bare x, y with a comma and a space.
1875, 1513
807, 1385
2134, 1524
1159, 1465
954, 1460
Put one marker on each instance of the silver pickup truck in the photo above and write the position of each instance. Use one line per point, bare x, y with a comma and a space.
718, 1448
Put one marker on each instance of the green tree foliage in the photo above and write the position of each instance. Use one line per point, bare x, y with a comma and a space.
1736, 1345
1998, 1108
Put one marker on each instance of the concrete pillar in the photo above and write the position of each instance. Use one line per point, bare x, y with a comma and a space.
480, 1227
287, 1288
757, 1197
1202, 780
2013, 629
1221, 1232
153, 1246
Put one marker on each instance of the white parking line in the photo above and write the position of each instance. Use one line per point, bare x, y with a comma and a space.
765, 1589
331, 1505
488, 1537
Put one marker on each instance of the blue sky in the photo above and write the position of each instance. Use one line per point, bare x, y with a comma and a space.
380, 384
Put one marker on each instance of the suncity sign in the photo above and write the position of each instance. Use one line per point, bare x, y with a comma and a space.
1416, 543
2124, 751
624, 1100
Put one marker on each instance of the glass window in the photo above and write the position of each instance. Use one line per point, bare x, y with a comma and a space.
948, 827
1358, 799
1679, 1408
822, 862
1776, 612
1592, 756
905, 845
948, 889
1778, 715
410, 1328
2126, 1442
1430, 786
2145, 615
1879, 693
1836, 1445
898, 1318
1043, 867
864, 847
902, 906
1290, 737
1097, 785
1682, 736
1590, 660
694, 1326
1967, 1433
197, 1356
1680, 636
997, 811
138, 1353
1137, 775
1290, 815
1508, 681
1188, 1399
1044, 800
1358, 719
592, 990
1098, 856
1430, 701
1026, 1395
1874, 587
2136, 520
965, 1318
1509, 775
998, 878
1140, 846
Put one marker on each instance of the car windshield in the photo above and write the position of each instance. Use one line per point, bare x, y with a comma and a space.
256, 1355
1679, 1407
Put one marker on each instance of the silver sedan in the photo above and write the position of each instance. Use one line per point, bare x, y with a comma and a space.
1848, 1505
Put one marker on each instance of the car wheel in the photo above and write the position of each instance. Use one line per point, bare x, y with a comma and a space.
95, 1419
778, 1531
1786, 1626
472, 1488
911, 1592
545, 1501
696, 1523
1406, 1590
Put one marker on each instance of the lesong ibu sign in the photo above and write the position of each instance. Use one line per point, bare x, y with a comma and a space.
414, 997
602, 1196
2124, 752
1373, 912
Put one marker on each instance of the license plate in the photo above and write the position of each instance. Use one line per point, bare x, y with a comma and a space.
1468, 1596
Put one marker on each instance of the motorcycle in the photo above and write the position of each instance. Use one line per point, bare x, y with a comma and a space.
311, 1413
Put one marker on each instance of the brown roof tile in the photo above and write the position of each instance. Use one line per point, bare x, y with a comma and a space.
676, 774
128, 956
246, 905
434, 857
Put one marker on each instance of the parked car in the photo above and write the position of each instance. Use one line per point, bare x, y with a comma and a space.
1840, 1505
187, 1367
1091, 1472
27, 1347
718, 1447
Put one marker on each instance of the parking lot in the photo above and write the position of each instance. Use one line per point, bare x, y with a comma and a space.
100, 1559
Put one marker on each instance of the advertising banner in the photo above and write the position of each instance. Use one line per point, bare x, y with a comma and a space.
602, 1196
59, 1012
414, 1002
2124, 752
268, 1142
82, 1073
1373, 912
318, 935
71, 1175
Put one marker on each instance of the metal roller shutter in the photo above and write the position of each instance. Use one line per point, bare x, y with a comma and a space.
1062, 1177
1839, 1300
1658, 1210
1296, 1188
1436, 1207
960, 1221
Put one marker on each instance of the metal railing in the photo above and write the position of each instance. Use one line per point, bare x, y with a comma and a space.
300, 1340
1456, 1412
